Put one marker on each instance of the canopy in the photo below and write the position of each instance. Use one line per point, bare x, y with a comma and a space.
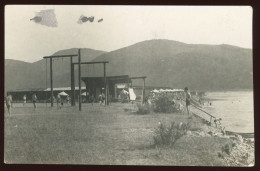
84, 94
167, 90
155, 91
63, 94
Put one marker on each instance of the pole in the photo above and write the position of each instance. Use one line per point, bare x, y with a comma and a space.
108, 95
46, 94
72, 80
51, 82
131, 83
79, 81
105, 79
115, 88
143, 90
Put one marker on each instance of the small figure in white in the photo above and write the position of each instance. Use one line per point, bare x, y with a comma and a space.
9, 103
24, 100
58, 101
34, 99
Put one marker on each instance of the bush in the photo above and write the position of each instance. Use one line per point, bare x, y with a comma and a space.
227, 149
164, 104
143, 109
169, 135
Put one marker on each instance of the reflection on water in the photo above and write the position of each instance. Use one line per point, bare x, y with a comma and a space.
235, 108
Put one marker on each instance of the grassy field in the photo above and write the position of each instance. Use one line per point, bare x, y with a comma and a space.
100, 135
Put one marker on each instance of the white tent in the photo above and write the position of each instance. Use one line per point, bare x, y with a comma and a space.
167, 90
63, 94
155, 91
84, 94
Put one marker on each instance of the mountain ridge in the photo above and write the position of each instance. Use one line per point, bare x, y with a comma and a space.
24, 75
167, 57
165, 62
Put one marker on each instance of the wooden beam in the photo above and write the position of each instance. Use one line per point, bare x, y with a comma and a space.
60, 56
79, 59
104, 62
143, 90
72, 81
143, 77
51, 82
105, 79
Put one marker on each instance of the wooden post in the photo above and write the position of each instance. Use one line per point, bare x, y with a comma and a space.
72, 81
115, 88
105, 79
108, 95
79, 80
51, 82
143, 94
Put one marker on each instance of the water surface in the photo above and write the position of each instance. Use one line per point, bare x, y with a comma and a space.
236, 108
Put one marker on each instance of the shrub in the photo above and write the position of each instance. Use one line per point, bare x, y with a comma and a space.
220, 155
164, 104
143, 109
169, 135
227, 149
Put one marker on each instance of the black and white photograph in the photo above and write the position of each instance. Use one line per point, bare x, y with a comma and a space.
142, 85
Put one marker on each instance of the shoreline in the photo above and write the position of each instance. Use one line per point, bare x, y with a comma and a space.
241, 149
239, 152
234, 90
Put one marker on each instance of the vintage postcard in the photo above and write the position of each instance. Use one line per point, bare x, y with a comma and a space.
129, 85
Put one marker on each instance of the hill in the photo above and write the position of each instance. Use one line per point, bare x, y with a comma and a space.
24, 75
165, 63
176, 64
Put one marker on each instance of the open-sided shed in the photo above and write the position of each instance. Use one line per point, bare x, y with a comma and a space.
96, 85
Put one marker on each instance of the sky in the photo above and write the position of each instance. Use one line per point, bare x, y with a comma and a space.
122, 26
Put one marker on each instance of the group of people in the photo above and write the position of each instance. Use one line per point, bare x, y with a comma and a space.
91, 98
101, 99
9, 101
60, 100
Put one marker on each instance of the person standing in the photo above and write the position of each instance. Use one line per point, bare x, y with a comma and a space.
188, 100
58, 101
100, 99
103, 98
87, 97
68, 99
24, 99
61, 101
34, 99
9, 103
92, 99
